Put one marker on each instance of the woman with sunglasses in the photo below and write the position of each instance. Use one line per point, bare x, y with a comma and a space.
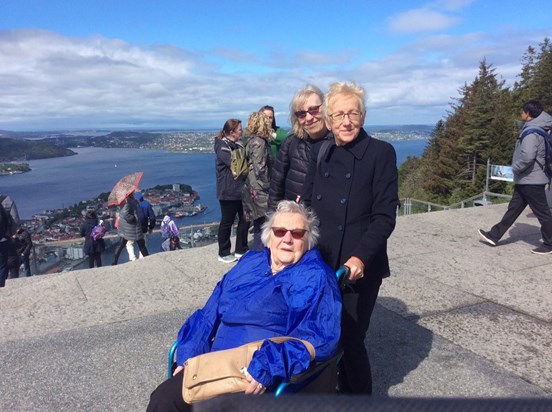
283, 290
309, 129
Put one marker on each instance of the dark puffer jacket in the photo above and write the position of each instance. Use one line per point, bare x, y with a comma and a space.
129, 225
290, 169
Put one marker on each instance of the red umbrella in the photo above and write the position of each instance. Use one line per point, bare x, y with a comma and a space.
123, 188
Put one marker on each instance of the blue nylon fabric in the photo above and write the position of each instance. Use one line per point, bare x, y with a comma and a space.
249, 304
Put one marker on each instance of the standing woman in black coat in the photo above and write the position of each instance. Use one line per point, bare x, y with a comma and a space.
353, 190
92, 248
309, 129
229, 192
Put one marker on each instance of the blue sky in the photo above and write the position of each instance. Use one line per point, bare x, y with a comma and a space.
187, 64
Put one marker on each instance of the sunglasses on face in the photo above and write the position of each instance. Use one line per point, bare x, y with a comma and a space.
295, 233
313, 111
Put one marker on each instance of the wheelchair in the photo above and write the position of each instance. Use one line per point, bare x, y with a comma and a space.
316, 379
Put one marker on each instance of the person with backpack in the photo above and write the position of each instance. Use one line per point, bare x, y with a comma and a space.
530, 179
230, 184
9, 221
94, 244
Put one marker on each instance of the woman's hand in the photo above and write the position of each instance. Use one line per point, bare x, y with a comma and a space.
178, 369
254, 388
356, 268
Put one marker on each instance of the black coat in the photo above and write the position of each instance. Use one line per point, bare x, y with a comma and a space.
290, 169
354, 192
228, 188
91, 246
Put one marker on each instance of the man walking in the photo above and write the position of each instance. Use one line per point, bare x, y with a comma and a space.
529, 179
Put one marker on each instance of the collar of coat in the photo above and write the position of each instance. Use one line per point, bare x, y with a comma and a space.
357, 147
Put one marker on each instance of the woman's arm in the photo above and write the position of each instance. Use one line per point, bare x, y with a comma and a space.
195, 336
315, 314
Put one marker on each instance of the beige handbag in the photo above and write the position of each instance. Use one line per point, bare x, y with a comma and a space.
216, 373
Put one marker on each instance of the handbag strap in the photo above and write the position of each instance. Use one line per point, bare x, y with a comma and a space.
308, 345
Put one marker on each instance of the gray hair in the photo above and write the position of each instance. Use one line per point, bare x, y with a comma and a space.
347, 89
287, 206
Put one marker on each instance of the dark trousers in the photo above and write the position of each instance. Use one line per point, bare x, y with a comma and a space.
95, 258
167, 397
4, 250
229, 210
122, 245
257, 229
26, 264
535, 197
355, 375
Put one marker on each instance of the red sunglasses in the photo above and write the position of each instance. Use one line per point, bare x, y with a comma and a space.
295, 233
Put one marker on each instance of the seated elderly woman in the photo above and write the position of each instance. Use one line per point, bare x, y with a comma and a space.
283, 290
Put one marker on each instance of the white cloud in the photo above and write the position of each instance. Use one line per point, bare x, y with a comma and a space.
49, 81
421, 20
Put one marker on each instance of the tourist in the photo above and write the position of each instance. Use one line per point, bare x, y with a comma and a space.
229, 192
9, 220
25, 248
279, 135
283, 290
255, 194
353, 190
147, 219
92, 247
309, 129
529, 180
129, 228
169, 234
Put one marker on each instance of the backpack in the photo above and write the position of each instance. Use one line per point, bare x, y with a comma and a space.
547, 166
97, 232
9, 217
238, 163
165, 231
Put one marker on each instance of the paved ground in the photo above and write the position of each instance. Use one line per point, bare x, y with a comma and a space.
457, 318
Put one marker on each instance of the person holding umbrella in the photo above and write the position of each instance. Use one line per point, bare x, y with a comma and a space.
129, 227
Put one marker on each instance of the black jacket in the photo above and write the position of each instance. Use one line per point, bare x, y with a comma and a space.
91, 246
25, 241
227, 187
354, 193
290, 169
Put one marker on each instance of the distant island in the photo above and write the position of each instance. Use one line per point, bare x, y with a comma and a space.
14, 168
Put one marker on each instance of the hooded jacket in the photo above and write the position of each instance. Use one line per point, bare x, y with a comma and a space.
531, 151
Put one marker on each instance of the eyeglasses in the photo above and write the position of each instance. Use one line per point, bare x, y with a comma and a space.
353, 116
313, 111
295, 233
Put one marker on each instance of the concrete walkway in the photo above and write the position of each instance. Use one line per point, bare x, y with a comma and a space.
457, 318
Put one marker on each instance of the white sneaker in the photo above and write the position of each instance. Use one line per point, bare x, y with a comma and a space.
239, 255
227, 259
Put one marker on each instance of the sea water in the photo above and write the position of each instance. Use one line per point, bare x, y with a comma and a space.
64, 181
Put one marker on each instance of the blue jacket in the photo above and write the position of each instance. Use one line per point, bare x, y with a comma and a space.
250, 304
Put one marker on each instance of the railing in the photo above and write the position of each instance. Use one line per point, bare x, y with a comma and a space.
409, 206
